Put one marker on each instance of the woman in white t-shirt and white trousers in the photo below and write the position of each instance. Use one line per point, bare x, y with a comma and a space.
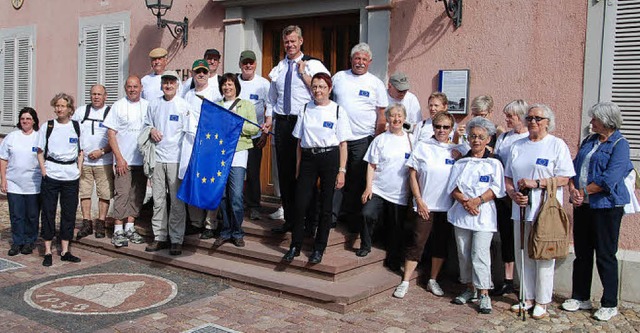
531, 162
475, 181
21, 180
386, 194
60, 161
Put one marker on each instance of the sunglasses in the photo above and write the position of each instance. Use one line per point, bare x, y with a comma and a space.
481, 137
444, 127
537, 119
201, 70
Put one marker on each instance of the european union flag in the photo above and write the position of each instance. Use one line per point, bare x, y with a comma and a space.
213, 149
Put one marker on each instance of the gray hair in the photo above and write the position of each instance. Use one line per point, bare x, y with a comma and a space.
387, 111
482, 103
547, 113
362, 47
608, 113
291, 29
483, 123
517, 107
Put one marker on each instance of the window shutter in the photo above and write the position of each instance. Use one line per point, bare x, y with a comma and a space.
16, 77
625, 85
112, 78
24, 76
8, 82
91, 61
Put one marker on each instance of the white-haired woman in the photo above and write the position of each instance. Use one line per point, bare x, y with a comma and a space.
530, 163
475, 181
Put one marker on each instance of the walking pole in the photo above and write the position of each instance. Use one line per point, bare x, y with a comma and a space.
521, 296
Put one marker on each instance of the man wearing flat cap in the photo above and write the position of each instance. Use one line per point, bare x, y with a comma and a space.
212, 57
398, 91
151, 88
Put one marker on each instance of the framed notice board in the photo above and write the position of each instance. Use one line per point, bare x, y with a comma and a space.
455, 84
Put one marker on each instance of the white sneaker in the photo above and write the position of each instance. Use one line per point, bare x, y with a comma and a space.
434, 287
485, 304
516, 307
604, 314
465, 297
539, 312
401, 290
277, 215
572, 305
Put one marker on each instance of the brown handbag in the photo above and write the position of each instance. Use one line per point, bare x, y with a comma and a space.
549, 237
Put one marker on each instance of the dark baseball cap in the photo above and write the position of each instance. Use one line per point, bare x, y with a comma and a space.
247, 55
211, 53
200, 63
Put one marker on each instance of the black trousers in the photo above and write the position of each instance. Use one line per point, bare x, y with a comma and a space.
346, 201
393, 216
67, 192
286, 146
596, 230
312, 166
505, 228
252, 189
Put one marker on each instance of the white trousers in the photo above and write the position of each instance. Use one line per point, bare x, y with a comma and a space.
474, 257
538, 274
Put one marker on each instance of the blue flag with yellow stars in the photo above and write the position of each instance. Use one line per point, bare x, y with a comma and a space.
213, 149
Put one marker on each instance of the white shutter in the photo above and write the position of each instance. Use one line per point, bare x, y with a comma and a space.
24, 74
17, 74
8, 81
625, 81
90, 62
112, 75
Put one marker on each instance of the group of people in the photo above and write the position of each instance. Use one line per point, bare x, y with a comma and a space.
380, 162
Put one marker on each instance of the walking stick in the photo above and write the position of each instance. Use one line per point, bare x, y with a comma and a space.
521, 296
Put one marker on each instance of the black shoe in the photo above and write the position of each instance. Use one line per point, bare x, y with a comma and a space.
176, 249
283, 229
69, 257
316, 257
207, 234
362, 252
27, 248
99, 230
156, 245
48, 260
191, 230
292, 253
86, 230
219, 241
238, 242
15, 249
507, 288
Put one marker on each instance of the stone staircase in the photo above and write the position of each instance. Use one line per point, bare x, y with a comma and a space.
340, 283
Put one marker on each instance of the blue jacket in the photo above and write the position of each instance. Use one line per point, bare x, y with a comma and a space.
608, 167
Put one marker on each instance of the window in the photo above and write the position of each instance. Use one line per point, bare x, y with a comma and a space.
103, 55
17, 75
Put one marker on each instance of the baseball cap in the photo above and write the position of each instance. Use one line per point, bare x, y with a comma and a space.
170, 74
247, 55
158, 53
200, 63
399, 81
211, 53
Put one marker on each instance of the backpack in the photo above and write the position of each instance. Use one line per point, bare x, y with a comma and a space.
93, 124
549, 237
50, 123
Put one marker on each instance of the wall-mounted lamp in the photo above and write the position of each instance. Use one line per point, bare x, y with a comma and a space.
159, 8
453, 8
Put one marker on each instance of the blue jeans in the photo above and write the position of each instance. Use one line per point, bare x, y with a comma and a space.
23, 212
231, 205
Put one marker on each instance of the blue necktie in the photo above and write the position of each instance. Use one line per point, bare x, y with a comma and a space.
287, 88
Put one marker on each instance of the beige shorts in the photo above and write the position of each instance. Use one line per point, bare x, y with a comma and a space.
101, 176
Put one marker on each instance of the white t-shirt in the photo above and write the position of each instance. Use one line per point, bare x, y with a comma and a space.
152, 86
127, 119
23, 170
212, 82
94, 134
504, 143
300, 94
473, 176
360, 95
196, 103
318, 126
389, 153
546, 158
411, 103
257, 91
63, 146
432, 161
423, 131
170, 118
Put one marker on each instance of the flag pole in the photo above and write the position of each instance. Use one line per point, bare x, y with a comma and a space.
245, 119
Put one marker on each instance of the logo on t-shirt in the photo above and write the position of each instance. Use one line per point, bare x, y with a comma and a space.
542, 161
485, 178
254, 96
406, 155
363, 93
449, 161
102, 125
34, 149
174, 117
73, 140
327, 124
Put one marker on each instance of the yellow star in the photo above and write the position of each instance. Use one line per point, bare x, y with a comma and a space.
213, 179
221, 141
216, 136
223, 151
219, 173
204, 180
222, 163
208, 136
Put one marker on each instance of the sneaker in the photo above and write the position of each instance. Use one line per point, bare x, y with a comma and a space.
27, 248
465, 297
401, 290
207, 234
134, 237
277, 215
255, 214
86, 230
14, 250
485, 304
69, 257
48, 260
604, 314
119, 239
516, 307
434, 287
539, 312
572, 305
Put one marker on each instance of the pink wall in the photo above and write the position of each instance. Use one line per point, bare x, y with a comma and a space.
57, 28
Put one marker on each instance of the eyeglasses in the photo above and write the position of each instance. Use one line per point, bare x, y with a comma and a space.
537, 119
482, 137
444, 127
201, 70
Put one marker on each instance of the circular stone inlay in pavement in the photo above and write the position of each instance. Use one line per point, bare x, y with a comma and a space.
101, 294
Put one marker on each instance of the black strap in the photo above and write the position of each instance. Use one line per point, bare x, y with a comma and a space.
86, 117
233, 105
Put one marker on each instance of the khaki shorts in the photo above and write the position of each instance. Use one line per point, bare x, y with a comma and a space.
101, 176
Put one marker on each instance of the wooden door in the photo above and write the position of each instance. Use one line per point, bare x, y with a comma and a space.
328, 38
